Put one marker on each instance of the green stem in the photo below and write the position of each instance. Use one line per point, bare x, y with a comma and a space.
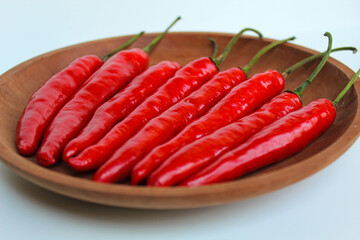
227, 49
267, 48
215, 47
299, 91
347, 87
148, 48
122, 47
286, 72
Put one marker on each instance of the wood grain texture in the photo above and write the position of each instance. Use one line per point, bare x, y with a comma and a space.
18, 84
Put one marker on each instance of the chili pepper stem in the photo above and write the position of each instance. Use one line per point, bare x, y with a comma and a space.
215, 47
299, 91
122, 47
289, 70
227, 49
347, 87
148, 48
249, 66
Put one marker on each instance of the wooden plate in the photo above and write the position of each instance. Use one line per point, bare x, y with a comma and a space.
18, 84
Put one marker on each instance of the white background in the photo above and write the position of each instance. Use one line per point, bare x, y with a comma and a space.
324, 206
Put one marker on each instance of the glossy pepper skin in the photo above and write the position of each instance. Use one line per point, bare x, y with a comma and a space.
198, 154
242, 100
274, 143
114, 74
165, 126
185, 81
49, 98
120, 105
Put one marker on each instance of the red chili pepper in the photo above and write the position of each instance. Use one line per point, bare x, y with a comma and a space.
120, 105
162, 128
274, 143
186, 80
52, 95
159, 155
117, 71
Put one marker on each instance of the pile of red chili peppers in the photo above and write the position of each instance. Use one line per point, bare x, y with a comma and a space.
168, 125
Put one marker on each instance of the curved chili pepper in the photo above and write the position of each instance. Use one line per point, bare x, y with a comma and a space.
117, 71
47, 101
185, 81
159, 155
52, 95
120, 105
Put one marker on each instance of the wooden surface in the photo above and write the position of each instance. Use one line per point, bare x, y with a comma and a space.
18, 84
